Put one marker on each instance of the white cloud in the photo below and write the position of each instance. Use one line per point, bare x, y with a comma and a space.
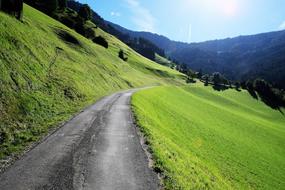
115, 14
282, 26
141, 16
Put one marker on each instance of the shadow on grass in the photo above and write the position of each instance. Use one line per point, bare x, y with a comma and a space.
273, 102
253, 94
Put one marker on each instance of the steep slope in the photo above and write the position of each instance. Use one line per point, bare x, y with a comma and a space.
139, 44
206, 139
49, 72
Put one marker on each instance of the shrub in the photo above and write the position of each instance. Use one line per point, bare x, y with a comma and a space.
237, 85
68, 21
101, 41
85, 12
206, 79
62, 4
216, 78
90, 33
122, 55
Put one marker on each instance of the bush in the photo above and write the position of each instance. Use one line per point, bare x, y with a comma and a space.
101, 41
206, 79
90, 33
68, 21
216, 78
122, 55
237, 85
62, 4
85, 12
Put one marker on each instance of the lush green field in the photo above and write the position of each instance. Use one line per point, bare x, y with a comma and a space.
205, 139
38, 89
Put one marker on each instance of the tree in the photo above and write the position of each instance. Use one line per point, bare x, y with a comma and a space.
101, 41
19, 9
122, 55
190, 76
199, 74
243, 85
49, 6
12, 7
206, 79
250, 89
237, 85
268, 94
62, 4
216, 78
85, 12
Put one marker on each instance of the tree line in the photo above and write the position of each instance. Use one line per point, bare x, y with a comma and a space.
257, 88
12, 7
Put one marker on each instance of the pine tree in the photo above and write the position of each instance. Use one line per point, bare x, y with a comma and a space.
85, 12
62, 4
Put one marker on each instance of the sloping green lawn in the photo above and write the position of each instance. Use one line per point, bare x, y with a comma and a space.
205, 139
45, 78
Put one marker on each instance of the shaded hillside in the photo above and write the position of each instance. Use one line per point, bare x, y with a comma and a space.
48, 72
140, 44
240, 58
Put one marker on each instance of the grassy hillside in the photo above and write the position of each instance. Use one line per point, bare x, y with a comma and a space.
163, 61
49, 72
205, 139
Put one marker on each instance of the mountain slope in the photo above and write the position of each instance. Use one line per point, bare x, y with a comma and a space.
240, 58
49, 72
225, 140
139, 44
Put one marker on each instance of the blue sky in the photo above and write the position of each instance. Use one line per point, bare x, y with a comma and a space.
194, 20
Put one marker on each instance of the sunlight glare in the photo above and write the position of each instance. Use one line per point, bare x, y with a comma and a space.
228, 8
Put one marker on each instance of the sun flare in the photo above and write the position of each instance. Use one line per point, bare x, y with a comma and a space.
229, 7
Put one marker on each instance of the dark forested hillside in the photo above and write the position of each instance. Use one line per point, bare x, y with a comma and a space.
240, 58
142, 45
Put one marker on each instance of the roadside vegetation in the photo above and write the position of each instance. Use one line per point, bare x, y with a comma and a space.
48, 72
201, 138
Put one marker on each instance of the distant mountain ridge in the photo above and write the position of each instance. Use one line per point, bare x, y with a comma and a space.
239, 58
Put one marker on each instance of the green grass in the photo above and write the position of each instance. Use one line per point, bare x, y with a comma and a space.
204, 139
36, 95
163, 61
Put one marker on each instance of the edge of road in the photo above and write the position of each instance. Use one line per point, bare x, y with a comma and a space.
10, 160
143, 142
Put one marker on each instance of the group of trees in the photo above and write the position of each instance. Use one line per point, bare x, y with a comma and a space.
13, 7
258, 88
75, 19
140, 45
144, 47
273, 97
47, 6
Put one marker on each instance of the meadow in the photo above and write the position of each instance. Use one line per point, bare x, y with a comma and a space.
49, 72
206, 139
